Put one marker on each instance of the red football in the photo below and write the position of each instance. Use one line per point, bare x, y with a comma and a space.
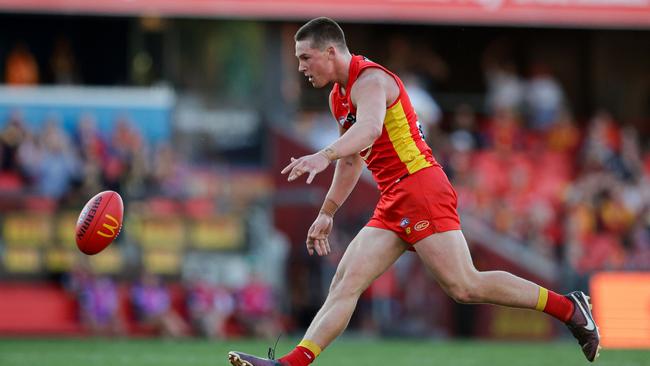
100, 222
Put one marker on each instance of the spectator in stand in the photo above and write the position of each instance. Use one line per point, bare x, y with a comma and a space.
505, 89
128, 165
98, 301
21, 67
94, 154
168, 173
210, 308
257, 309
465, 129
631, 159
57, 166
602, 143
315, 128
504, 132
639, 248
63, 63
152, 306
564, 136
544, 98
428, 112
89, 139
11, 137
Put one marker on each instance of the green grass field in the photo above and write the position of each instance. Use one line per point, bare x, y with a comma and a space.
345, 352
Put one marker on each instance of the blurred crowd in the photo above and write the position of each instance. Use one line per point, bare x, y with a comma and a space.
576, 192
21, 66
50, 168
62, 165
152, 306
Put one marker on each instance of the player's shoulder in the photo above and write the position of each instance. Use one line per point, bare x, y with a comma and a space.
372, 77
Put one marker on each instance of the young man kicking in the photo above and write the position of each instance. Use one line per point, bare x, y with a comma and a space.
416, 209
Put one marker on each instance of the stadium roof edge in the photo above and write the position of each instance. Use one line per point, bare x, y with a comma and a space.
561, 13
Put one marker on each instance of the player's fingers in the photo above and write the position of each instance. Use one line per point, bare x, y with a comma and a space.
295, 173
318, 247
327, 246
323, 246
311, 176
323, 243
290, 166
310, 246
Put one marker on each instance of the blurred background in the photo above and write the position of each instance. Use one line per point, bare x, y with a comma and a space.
539, 112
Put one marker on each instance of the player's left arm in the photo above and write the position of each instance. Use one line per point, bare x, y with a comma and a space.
369, 94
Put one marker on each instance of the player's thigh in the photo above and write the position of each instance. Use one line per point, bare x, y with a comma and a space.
447, 256
369, 255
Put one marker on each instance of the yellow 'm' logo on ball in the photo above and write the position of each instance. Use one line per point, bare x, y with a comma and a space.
111, 228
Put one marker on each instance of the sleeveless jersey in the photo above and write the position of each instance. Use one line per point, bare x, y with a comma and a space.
401, 149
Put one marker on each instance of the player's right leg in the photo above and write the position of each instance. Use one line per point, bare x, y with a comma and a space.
369, 255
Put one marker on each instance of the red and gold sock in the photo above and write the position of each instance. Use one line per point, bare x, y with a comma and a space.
304, 354
554, 304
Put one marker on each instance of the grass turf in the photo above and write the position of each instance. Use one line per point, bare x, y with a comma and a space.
344, 352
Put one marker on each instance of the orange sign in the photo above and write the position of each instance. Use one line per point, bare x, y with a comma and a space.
622, 308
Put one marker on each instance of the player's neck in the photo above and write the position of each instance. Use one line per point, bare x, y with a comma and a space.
343, 69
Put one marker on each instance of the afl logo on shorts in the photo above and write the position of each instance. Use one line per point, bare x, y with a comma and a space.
421, 225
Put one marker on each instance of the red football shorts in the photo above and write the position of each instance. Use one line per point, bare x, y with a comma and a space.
417, 206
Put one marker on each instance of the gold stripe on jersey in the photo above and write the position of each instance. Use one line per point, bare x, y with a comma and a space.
399, 133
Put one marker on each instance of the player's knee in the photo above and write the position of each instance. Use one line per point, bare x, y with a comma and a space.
464, 293
460, 295
345, 285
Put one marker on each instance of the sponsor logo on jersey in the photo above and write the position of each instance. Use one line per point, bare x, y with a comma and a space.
405, 222
421, 225
347, 121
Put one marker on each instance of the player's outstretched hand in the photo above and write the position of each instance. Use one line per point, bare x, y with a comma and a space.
311, 164
317, 235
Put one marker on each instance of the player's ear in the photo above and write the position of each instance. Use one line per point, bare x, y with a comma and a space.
331, 52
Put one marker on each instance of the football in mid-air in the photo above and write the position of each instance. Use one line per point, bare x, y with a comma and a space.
100, 222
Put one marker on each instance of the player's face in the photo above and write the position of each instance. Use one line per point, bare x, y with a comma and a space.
317, 65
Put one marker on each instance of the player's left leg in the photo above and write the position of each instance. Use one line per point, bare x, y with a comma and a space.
447, 256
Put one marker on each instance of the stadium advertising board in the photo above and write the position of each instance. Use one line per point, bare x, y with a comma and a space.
588, 13
622, 308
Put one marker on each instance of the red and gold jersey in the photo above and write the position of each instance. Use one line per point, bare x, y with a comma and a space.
401, 149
